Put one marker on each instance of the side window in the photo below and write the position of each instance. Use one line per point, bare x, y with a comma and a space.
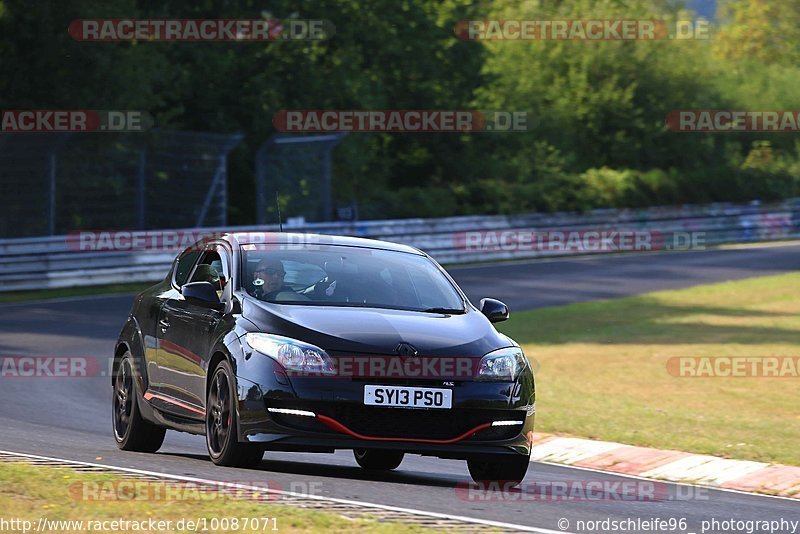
212, 267
185, 263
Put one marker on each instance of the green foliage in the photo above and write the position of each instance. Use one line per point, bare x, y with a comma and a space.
599, 137
757, 29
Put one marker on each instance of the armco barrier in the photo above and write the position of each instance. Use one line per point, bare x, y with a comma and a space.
51, 262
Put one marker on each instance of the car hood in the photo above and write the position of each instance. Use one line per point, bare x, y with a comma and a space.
377, 331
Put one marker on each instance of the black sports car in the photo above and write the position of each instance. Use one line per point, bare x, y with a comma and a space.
299, 342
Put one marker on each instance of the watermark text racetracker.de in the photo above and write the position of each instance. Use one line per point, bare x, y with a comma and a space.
166, 490
593, 240
733, 120
581, 30
734, 366
44, 366
341, 366
596, 490
399, 120
174, 241
400, 367
577, 241
74, 121
200, 30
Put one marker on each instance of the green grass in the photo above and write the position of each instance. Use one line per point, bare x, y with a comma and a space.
29, 492
40, 294
603, 368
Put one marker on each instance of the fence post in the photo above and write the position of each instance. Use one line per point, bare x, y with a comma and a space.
261, 181
210, 194
51, 192
317, 148
327, 200
223, 192
141, 184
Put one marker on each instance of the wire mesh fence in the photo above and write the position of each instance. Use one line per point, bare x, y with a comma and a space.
294, 172
58, 183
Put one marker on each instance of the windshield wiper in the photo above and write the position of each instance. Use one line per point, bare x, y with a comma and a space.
456, 311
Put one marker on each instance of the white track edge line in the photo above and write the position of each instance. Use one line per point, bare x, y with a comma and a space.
637, 477
232, 485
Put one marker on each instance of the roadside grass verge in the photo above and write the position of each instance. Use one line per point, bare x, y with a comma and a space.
41, 294
30, 492
603, 368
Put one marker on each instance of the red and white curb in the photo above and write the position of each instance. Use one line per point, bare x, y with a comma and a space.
673, 466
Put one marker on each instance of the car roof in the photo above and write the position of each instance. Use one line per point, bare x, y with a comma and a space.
242, 238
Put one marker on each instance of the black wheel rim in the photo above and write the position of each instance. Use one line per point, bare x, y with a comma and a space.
123, 399
218, 413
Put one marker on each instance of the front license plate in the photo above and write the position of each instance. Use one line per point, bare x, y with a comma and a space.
408, 397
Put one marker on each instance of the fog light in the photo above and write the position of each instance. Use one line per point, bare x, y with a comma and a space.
289, 411
506, 423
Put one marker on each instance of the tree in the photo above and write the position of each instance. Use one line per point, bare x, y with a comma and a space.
760, 30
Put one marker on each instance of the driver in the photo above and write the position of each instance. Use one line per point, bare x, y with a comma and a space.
268, 279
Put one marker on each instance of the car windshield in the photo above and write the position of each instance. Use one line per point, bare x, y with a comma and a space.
333, 275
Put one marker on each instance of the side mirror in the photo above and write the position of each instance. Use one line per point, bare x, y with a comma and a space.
494, 310
202, 294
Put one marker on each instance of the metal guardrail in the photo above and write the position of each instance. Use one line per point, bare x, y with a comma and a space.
54, 262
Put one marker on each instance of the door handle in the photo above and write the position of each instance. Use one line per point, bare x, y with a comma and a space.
164, 325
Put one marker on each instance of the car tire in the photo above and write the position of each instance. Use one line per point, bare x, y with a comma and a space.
131, 431
222, 436
377, 459
502, 469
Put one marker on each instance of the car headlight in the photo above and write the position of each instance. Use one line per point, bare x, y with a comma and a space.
292, 354
502, 365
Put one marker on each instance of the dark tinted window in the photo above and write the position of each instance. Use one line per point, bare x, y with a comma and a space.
185, 263
330, 275
210, 269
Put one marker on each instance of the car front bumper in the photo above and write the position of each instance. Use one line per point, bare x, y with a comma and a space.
328, 413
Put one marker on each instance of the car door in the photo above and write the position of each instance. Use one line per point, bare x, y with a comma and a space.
151, 327
186, 333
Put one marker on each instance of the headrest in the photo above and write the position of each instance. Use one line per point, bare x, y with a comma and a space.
206, 273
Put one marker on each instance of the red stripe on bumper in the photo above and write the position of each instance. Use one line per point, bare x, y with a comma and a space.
339, 427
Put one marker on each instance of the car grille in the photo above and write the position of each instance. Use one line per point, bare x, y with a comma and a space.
383, 422
422, 424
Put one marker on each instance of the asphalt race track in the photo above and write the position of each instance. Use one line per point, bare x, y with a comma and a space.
70, 417
525, 286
